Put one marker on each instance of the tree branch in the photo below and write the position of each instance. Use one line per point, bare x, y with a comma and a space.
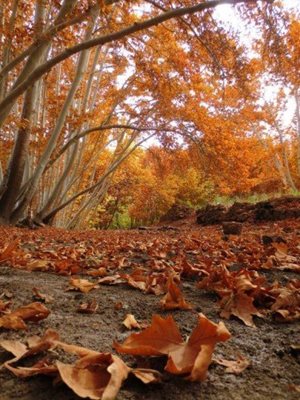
111, 37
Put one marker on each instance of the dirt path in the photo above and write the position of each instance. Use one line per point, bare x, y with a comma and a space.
274, 367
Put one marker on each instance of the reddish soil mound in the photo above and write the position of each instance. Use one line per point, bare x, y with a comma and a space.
176, 213
271, 210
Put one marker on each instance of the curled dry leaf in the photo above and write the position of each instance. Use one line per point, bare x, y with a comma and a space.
83, 285
31, 312
42, 296
111, 280
241, 306
287, 304
42, 367
147, 375
174, 299
97, 272
35, 345
8, 251
162, 337
94, 375
38, 265
234, 367
98, 376
4, 305
294, 388
130, 322
88, 308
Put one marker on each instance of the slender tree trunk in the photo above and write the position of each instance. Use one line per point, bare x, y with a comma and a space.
33, 184
7, 48
14, 176
297, 98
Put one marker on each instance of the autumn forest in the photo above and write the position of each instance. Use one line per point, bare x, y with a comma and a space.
127, 130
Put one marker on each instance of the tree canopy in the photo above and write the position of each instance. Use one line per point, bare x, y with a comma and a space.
85, 84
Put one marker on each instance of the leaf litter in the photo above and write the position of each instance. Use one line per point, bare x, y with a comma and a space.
182, 268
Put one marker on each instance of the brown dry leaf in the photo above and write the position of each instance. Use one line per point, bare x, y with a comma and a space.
294, 388
147, 375
287, 315
98, 376
95, 375
136, 279
38, 265
88, 308
234, 367
32, 312
9, 250
7, 294
42, 296
241, 306
162, 337
280, 247
287, 304
290, 267
174, 300
35, 345
42, 367
11, 321
83, 285
97, 272
4, 305
130, 322
111, 280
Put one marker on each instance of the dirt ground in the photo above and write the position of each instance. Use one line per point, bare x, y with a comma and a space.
274, 368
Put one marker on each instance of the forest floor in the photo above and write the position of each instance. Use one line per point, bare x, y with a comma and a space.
41, 261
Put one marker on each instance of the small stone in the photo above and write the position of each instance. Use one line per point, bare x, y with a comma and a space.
268, 239
279, 353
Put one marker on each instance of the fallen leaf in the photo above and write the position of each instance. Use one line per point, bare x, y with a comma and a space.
241, 306
35, 345
111, 280
234, 366
32, 312
83, 285
38, 265
88, 308
42, 367
130, 322
4, 305
9, 250
147, 375
94, 375
174, 299
97, 272
287, 315
44, 297
97, 376
162, 337
294, 388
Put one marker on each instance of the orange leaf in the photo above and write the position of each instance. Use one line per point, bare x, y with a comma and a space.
9, 250
130, 322
174, 299
32, 312
162, 337
88, 308
234, 367
98, 376
83, 285
241, 306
